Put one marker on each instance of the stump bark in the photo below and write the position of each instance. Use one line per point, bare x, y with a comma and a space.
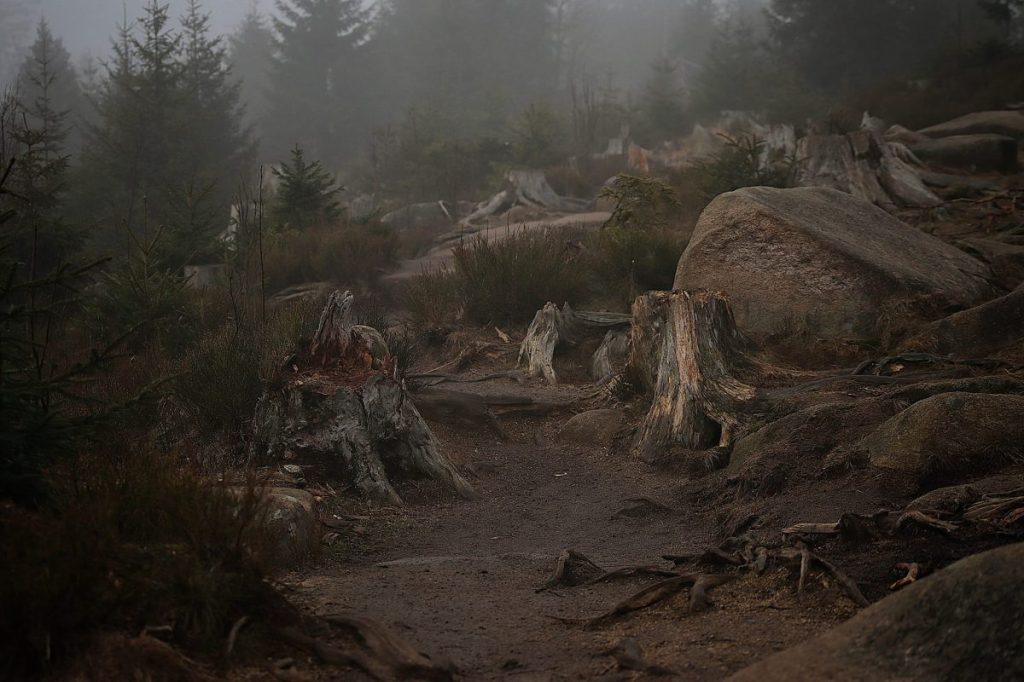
687, 344
343, 409
863, 164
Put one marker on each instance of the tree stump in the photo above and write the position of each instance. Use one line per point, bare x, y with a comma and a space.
863, 164
553, 327
528, 188
343, 409
688, 344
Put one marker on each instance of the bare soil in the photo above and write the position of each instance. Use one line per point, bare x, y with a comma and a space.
460, 579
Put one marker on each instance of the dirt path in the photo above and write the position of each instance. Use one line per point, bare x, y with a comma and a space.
459, 578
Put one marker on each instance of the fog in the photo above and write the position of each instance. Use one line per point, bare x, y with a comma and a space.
86, 25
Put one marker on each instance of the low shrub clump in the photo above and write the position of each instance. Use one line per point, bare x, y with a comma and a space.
501, 281
637, 250
222, 377
351, 254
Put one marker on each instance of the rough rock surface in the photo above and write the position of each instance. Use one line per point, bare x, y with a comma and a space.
975, 152
961, 623
292, 522
974, 332
1006, 260
819, 258
1009, 123
951, 435
596, 427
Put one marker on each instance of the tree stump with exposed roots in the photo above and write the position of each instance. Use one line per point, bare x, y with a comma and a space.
343, 409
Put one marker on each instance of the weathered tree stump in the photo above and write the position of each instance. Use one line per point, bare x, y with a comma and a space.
688, 341
343, 409
553, 327
863, 164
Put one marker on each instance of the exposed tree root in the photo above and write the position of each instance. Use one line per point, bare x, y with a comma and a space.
659, 592
808, 559
913, 571
633, 572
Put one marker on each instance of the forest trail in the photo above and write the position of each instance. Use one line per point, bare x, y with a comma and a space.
459, 578
443, 254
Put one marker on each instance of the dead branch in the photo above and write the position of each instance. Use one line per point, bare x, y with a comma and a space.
572, 569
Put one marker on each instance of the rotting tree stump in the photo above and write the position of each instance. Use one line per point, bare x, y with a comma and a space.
863, 164
697, 362
553, 327
342, 407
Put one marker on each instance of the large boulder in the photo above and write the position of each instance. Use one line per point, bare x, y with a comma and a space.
973, 152
1009, 123
818, 258
951, 435
963, 623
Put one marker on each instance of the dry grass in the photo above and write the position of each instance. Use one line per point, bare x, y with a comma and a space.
129, 541
351, 254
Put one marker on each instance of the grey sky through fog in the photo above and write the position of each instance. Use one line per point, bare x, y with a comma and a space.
86, 25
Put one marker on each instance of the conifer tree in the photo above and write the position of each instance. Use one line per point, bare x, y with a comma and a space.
39, 133
250, 51
314, 73
663, 106
307, 194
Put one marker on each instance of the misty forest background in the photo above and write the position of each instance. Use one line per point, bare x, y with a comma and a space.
273, 151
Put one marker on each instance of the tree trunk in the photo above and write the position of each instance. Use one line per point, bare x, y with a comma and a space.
700, 394
863, 164
343, 411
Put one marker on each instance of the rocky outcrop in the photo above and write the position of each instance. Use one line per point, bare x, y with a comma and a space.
1009, 123
961, 623
820, 259
1005, 260
976, 331
950, 436
971, 152
596, 427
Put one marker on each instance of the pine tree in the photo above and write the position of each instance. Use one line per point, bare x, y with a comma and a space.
169, 147
49, 62
39, 135
251, 49
663, 106
307, 194
315, 71
216, 148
